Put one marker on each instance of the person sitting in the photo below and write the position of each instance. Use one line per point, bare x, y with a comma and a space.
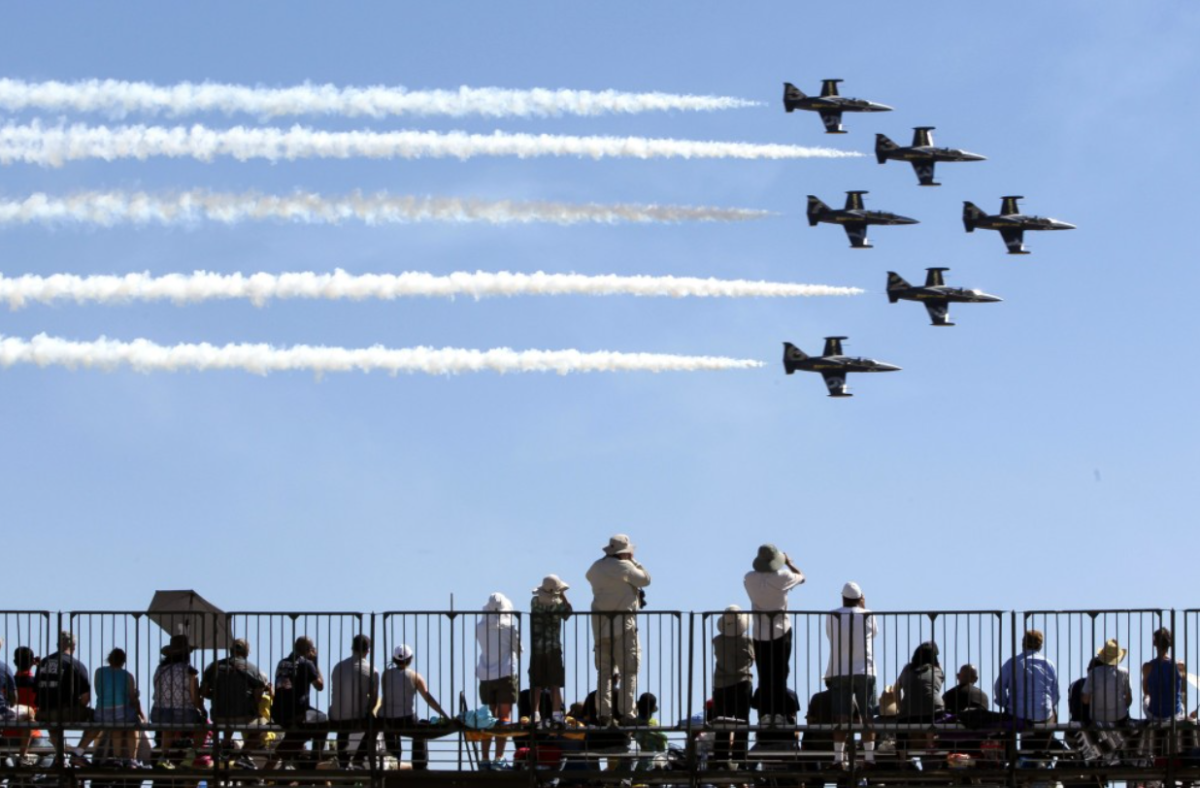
401, 685
1106, 691
965, 695
10, 708
296, 676
117, 702
1163, 681
919, 687
649, 738
63, 694
355, 687
235, 686
176, 695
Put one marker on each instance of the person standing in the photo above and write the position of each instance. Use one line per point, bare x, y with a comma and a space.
850, 676
548, 609
733, 658
496, 669
772, 576
353, 691
617, 582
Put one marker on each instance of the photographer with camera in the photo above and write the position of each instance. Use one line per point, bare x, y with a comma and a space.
617, 582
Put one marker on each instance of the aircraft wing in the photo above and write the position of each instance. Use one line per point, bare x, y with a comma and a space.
939, 312
836, 383
857, 233
832, 119
1014, 239
833, 346
924, 171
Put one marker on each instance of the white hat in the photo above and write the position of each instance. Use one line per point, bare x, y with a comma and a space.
851, 591
617, 544
552, 584
498, 603
733, 622
402, 652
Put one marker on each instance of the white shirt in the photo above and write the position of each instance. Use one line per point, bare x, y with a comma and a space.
768, 591
497, 646
851, 632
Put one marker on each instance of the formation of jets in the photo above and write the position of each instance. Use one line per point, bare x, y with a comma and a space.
935, 294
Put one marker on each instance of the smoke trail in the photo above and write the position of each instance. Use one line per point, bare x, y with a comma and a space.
261, 287
33, 144
117, 98
107, 209
144, 356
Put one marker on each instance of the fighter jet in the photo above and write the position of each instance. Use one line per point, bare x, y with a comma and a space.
1010, 222
829, 104
922, 154
936, 296
853, 217
832, 365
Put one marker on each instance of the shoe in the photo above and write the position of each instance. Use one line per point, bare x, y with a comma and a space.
485, 766
500, 765
559, 718
165, 766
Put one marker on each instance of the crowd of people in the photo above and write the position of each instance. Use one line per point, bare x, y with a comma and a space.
752, 653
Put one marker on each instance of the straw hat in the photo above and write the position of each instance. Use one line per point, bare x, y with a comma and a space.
1111, 652
551, 584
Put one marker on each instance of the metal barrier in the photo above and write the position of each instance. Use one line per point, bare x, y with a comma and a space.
708, 733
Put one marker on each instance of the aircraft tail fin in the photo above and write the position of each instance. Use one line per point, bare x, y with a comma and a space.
882, 146
791, 96
971, 216
816, 209
792, 354
895, 282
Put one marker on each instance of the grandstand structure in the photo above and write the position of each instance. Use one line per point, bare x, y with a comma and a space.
676, 666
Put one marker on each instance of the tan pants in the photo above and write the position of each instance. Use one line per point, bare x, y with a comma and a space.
617, 647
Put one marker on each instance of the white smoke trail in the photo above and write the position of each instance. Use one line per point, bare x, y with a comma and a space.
261, 287
117, 99
107, 209
54, 146
144, 356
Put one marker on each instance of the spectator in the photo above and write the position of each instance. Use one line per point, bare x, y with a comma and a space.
1028, 689
590, 710
354, 689
117, 702
733, 658
965, 695
1106, 690
10, 708
648, 737
850, 675
496, 669
1075, 705
1163, 681
919, 687
63, 692
617, 581
401, 685
295, 677
549, 608
772, 576
176, 693
235, 685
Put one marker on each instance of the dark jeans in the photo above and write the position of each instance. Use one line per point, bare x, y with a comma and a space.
773, 658
364, 748
395, 747
732, 702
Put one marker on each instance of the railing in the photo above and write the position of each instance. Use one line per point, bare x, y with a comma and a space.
792, 733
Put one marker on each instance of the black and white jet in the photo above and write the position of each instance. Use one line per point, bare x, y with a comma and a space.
829, 104
935, 295
854, 218
921, 154
832, 365
1011, 223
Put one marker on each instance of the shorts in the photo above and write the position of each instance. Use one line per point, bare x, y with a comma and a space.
546, 670
116, 714
174, 716
65, 716
494, 692
845, 691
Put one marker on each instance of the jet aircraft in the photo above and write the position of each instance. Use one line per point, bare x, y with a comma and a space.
921, 154
829, 104
854, 218
832, 365
935, 295
1011, 223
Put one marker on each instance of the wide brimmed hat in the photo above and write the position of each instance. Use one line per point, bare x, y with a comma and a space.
619, 543
1111, 652
498, 603
179, 645
769, 558
851, 591
402, 652
733, 622
551, 584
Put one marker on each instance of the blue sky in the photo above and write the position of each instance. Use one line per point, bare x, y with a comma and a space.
1038, 455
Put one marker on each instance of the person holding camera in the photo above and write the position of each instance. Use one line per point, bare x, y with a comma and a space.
617, 581
295, 676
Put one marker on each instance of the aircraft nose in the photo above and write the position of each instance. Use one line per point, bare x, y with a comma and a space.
1058, 225
882, 367
904, 220
880, 107
990, 299
973, 157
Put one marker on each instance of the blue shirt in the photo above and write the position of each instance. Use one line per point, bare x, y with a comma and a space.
8, 686
1028, 687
